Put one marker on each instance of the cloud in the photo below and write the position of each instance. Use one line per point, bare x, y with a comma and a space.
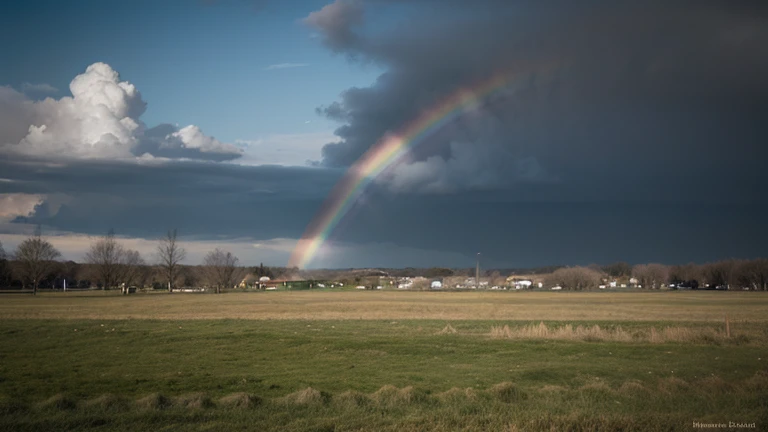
100, 121
18, 205
41, 88
285, 66
597, 88
336, 22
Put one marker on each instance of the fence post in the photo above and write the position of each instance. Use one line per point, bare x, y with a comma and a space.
727, 327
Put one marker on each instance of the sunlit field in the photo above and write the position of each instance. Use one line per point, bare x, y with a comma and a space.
406, 361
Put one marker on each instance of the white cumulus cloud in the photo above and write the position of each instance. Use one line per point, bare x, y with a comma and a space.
101, 120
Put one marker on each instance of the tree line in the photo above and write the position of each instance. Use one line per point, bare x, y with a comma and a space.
108, 264
732, 274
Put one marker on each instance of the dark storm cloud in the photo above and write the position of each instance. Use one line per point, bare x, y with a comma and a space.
203, 200
605, 86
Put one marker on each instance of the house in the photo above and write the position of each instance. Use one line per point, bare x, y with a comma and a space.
248, 281
523, 284
436, 284
360, 287
557, 288
612, 284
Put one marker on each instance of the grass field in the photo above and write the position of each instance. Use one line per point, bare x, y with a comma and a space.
383, 361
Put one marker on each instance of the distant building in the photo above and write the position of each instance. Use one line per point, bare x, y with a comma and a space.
523, 284
436, 284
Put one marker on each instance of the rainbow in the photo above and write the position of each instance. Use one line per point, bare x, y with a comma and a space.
386, 153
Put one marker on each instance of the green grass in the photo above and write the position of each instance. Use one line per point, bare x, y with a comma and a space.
89, 374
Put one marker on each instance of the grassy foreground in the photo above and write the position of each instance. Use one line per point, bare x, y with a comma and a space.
375, 374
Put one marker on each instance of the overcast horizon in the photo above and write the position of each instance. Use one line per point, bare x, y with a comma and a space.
630, 132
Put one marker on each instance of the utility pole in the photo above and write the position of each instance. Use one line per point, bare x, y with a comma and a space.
477, 272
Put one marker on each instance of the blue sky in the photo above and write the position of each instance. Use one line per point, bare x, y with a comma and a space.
193, 63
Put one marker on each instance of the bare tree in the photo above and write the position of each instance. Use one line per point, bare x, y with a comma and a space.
170, 255
751, 274
4, 267
575, 278
220, 269
618, 269
134, 270
651, 275
685, 273
107, 257
35, 258
720, 273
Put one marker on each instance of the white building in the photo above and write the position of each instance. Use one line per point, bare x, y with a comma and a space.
436, 285
523, 284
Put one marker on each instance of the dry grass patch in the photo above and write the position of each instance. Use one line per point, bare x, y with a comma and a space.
240, 400
672, 385
714, 385
596, 390
757, 382
633, 388
390, 395
562, 306
59, 401
154, 401
565, 332
456, 394
549, 388
507, 392
352, 399
193, 401
448, 329
107, 402
595, 333
308, 396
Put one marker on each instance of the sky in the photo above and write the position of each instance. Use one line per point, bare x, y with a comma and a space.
626, 131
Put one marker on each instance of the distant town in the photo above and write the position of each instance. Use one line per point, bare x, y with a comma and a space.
35, 264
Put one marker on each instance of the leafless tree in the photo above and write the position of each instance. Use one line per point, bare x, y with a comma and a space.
575, 278
618, 269
35, 259
751, 274
134, 270
220, 269
686, 272
3, 266
720, 273
170, 254
107, 257
651, 275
